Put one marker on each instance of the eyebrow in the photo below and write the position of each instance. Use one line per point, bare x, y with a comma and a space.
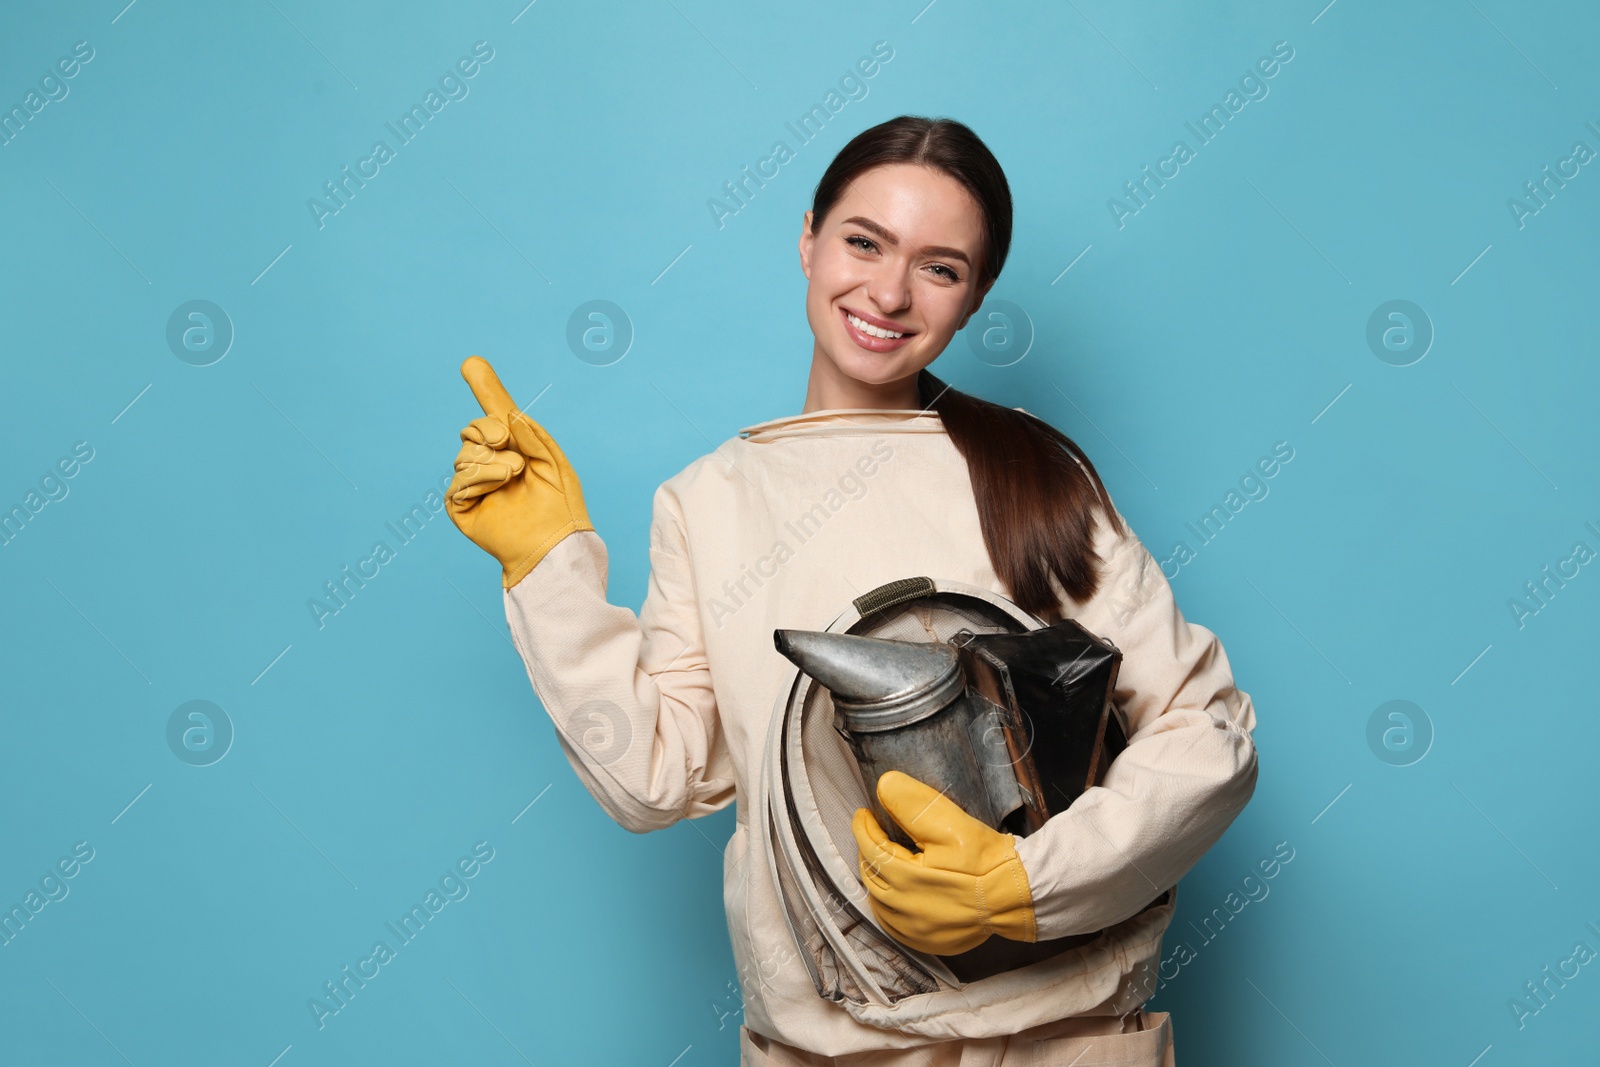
890, 239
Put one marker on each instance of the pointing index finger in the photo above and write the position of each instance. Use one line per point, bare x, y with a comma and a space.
486, 387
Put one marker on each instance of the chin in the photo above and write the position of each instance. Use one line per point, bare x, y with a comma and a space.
872, 369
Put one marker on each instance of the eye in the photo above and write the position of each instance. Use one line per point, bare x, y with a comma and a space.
867, 244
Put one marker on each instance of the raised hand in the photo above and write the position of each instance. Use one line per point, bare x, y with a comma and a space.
514, 494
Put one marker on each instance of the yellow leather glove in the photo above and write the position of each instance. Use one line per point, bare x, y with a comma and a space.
965, 884
514, 493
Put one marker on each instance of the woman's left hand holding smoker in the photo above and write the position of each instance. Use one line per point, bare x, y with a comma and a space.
966, 883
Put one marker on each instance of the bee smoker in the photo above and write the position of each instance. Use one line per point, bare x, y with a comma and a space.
1013, 727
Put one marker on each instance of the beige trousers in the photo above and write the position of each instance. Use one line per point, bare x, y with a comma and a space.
1139, 1039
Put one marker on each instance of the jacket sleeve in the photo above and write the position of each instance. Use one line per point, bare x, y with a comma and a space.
1188, 770
630, 696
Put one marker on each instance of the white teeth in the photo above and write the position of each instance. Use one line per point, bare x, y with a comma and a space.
869, 330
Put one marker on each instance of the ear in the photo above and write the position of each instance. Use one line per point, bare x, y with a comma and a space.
806, 241
977, 302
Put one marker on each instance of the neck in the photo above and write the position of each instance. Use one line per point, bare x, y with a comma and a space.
827, 388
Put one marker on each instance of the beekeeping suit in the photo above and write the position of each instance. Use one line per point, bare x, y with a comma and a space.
666, 714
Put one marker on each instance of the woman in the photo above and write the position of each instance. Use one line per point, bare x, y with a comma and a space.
885, 473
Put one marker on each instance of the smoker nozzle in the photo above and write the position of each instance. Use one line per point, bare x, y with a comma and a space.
878, 683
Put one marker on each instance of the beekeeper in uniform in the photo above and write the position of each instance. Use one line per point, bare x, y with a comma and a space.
884, 473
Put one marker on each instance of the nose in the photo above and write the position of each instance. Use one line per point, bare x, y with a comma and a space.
888, 287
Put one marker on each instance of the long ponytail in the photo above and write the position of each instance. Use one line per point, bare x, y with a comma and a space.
1035, 502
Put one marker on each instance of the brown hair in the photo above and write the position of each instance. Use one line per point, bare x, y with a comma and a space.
1035, 502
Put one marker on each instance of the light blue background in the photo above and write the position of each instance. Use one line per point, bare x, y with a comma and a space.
1228, 314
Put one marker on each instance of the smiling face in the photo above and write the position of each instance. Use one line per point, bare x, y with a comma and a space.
898, 253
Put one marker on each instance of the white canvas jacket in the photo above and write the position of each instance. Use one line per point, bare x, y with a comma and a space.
665, 713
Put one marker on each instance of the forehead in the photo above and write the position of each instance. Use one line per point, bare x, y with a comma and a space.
922, 206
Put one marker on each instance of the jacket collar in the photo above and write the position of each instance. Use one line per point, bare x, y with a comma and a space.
845, 421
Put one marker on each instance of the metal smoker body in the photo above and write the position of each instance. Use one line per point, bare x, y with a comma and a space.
1012, 727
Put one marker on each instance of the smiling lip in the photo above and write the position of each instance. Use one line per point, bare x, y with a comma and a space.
869, 342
